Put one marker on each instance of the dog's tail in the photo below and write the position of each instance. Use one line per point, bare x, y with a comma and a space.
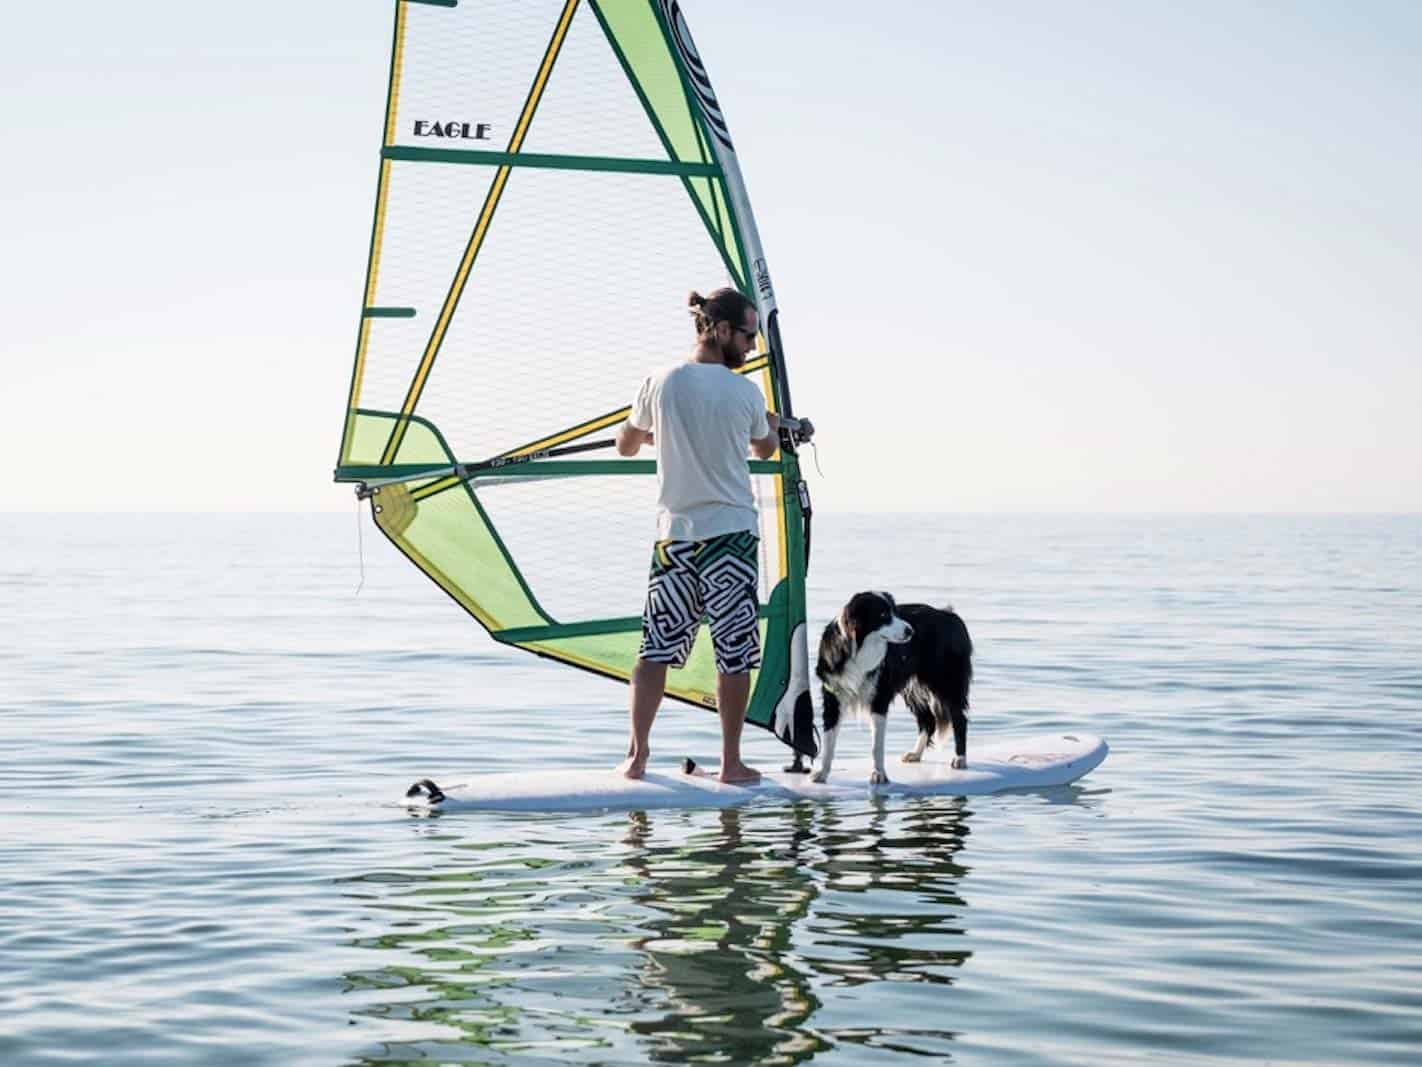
432, 793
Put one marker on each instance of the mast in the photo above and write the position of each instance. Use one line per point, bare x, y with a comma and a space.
794, 712
719, 137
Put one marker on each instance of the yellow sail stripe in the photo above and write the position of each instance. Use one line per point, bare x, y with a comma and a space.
372, 278
536, 93
396, 65
580, 661
602, 422
348, 438
591, 426
476, 240
438, 486
397, 60
432, 347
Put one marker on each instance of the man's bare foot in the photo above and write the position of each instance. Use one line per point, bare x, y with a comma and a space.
738, 774
633, 767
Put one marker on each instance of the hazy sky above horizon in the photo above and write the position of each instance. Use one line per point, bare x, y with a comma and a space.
1030, 256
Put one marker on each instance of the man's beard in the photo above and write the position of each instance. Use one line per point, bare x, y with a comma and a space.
730, 356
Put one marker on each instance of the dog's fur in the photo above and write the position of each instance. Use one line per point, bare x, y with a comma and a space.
877, 650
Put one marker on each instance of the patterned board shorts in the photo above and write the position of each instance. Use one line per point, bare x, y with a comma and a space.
716, 579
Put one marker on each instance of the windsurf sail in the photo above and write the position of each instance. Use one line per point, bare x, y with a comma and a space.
555, 176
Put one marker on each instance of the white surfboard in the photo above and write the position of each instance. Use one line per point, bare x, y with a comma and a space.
1026, 763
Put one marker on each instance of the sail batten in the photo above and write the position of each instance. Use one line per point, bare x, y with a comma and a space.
478, 157
555, 175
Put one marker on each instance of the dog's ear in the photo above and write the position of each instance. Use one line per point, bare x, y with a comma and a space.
846, 626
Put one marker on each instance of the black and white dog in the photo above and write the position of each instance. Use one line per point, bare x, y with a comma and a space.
877, 650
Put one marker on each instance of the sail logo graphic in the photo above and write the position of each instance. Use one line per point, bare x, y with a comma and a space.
464, 131
762, 280
700, 81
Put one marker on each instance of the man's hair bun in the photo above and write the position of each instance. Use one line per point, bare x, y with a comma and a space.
723, 305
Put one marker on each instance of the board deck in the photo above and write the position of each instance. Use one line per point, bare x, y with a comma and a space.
1024, 763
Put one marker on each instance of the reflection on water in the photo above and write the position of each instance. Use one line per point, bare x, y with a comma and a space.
719, 961
665, 936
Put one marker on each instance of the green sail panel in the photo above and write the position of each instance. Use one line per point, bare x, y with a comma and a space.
553, 178
639, 38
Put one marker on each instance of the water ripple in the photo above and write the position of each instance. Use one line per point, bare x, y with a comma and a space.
203, 863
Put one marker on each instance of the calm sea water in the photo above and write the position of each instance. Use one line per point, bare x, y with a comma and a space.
203, 728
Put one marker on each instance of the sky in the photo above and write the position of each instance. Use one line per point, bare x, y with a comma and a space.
1030, 257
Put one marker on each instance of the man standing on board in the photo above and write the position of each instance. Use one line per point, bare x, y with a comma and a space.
702, 417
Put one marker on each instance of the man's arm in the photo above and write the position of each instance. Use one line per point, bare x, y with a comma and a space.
630, 439
764, 447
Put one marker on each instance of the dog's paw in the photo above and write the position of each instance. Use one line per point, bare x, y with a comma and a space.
821, 776
911, 757
878, 778
959, 763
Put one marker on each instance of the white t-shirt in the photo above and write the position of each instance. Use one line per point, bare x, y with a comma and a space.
703, 417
